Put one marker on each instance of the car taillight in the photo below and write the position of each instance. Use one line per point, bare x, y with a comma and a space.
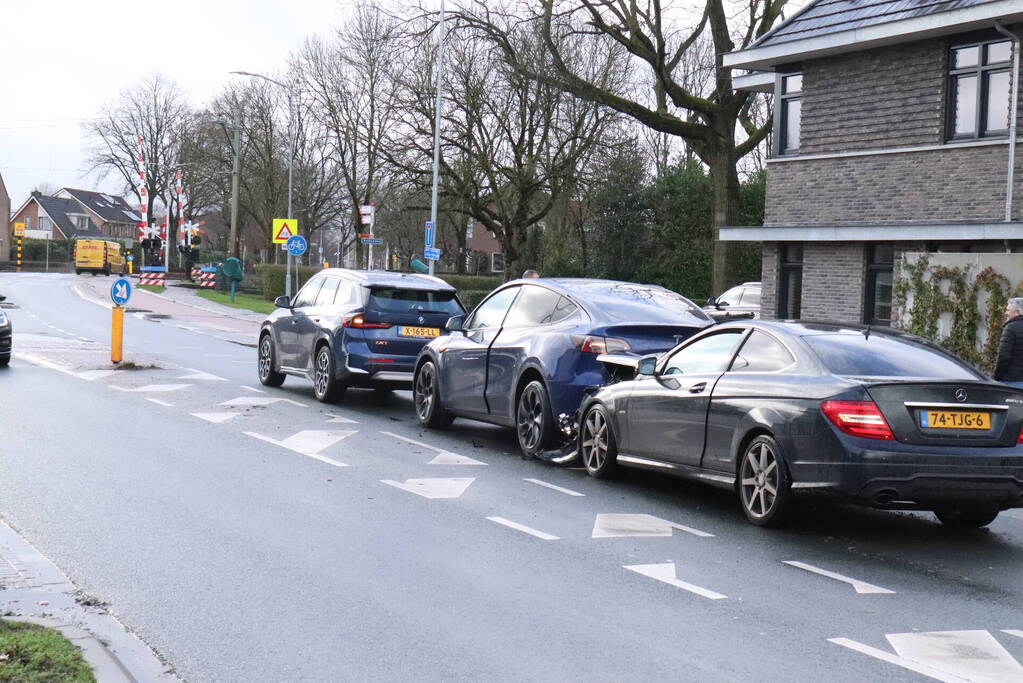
1019, 439
594, 344
359, 322
858, 418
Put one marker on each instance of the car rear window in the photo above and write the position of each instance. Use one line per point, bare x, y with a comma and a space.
624, 302
857, 355
397, 300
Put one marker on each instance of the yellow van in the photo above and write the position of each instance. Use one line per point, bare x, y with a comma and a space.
99, 256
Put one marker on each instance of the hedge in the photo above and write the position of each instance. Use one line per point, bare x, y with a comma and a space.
471, 282
471, 298
271, 278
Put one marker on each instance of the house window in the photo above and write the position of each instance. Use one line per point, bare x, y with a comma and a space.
790, 282
878, 300
82, 222
497, 263
45, 223
978, 88
791, 108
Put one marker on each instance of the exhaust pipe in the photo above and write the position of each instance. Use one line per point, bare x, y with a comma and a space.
886, 497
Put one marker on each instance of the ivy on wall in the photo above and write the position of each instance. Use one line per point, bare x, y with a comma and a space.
931, 291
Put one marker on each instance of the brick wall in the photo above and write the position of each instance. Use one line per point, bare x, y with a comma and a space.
833, 275
887, 97
5, 226
945, 185
769, 281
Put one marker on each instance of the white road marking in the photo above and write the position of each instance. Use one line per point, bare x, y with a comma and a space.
219, 355
203, 376
160, 403
434, 488
216, 418
952, 656
612, 525
258, 391
445, 457
523, 528
666, 573
308, 442
342, 420
1013, 632
454, 459
862, 587
554, 487
153, 388
87, 375
243, 401
90, 375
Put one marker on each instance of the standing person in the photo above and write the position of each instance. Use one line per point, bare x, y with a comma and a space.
1009, 368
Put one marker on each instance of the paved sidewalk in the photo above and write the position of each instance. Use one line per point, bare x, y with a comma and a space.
182, 308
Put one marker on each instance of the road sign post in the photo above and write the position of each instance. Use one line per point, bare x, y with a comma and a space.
19, 232
120, 294
283, 230
367, 216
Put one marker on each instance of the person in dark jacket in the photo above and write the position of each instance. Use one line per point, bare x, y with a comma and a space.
1009, 368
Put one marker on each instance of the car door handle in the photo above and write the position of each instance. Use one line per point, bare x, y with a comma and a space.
316, 320
698, 388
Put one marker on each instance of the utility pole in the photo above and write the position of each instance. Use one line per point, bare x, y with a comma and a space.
436, 129
236, 172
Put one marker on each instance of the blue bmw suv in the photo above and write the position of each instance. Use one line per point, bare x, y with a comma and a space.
354, 328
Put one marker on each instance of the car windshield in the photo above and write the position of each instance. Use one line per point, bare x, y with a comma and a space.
876, 355
626, 302
397, 300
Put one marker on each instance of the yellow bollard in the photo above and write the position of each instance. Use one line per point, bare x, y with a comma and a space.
116, 333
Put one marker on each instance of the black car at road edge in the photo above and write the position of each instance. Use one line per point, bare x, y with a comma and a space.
781, 410
6, 337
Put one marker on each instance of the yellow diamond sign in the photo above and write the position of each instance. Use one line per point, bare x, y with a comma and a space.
284, 228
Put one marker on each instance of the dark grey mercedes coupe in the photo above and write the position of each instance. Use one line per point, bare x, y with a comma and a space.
777, 410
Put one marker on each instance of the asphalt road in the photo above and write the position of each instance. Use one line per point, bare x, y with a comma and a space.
250, 534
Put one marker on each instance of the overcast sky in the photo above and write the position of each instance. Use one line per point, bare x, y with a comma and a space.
65, 59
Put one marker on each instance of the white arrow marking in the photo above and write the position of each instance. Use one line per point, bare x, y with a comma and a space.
160, 403
953, 656
523, 528
216, 418
202, 376
90, 375
154, 388
666, 573
445, 457
554, 487
862, 587
250, 401
434, 488
612, 525
258, 391
308, 443
342, 420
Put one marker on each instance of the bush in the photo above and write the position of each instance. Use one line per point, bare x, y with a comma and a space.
271, 278
471, 298
471, 282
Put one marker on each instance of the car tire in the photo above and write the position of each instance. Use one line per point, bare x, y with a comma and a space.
965, 518
5, 361
430, 410
765, 488
326, 386
597, 447
534, 424
268, 377
78, 271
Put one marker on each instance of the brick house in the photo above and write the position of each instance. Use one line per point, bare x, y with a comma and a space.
77, 213
892, 135
485, 254
5, 223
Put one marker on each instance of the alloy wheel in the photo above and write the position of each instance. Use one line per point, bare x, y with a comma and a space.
594, 441
265, 357
424, 392
759, 479
530, 418
322, 371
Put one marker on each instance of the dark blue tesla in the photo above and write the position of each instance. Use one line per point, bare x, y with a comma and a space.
528, 353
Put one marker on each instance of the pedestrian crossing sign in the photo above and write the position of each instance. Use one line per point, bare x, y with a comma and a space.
19, 229
284, 228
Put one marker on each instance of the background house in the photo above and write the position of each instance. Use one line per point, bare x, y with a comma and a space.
77, 213
892, 135
6, 234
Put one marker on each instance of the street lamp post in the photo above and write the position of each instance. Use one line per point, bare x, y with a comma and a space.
291, 155
436, 128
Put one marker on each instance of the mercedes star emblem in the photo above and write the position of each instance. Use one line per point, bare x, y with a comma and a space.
960, 395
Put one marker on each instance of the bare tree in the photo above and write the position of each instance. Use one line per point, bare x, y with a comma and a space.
156, 111
705, 115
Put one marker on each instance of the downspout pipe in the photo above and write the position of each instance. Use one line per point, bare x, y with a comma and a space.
1013, 106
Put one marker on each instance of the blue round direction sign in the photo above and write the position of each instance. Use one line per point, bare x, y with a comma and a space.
120, 291
296, 245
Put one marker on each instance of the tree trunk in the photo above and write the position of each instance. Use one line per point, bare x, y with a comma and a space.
725, 181
512, 243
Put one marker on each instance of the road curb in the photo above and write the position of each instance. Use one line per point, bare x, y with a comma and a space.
106, 667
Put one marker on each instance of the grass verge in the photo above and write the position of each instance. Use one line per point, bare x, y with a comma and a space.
152, 288
247, 301
35, 654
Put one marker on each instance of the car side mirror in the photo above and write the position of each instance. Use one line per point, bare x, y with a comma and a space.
711, 301
3, 298
455, 323
720, 304
282, 302
647, 365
